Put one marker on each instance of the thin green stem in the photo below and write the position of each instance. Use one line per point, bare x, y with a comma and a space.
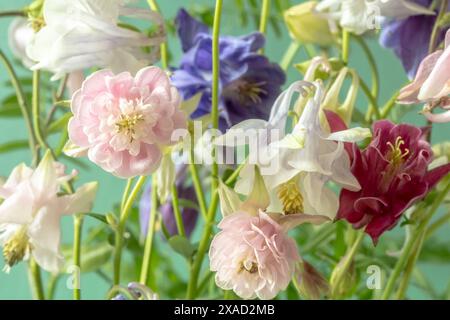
345, 46
145, 269
373, 103
121, 227
163, 47
344, 265
36, 280
204, 242
399, 266
51, 287
77, 230
177, 212
12, 13
197, 184
125, 193
36, 111
410, 267
437, 224
436, 28
386, 110
374, 73
22, 103
289, 55
264, 18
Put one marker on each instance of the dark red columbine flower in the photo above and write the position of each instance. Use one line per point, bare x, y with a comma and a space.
393, 173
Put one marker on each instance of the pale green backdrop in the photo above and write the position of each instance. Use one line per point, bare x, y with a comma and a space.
15, 284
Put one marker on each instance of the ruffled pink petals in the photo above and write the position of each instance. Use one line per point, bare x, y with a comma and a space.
123, 122
253, 256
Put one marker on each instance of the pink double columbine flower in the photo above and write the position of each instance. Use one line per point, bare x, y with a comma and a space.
124, 123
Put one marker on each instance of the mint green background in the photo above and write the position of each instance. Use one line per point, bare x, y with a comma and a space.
15, 285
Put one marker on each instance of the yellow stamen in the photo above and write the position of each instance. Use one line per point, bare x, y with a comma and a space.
291, 197
127, 123
396, 155
16, 247
253, 268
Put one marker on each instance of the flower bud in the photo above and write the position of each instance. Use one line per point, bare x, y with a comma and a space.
310, 283
306, 26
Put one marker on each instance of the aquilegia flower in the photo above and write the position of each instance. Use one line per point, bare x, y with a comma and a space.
252, 254
393, 173
249, 83
359, 16
297, 166
431, 84
410, 38
85, 33
189, 214
123, 123
31, 211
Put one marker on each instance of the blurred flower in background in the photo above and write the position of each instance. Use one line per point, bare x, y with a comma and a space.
83, 34
188, 204
410, 38
249, 83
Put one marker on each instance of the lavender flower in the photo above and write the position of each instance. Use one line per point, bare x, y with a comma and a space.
189, 214
249, 83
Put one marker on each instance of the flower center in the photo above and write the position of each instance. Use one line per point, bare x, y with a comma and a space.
290, 196
127, 123
16, 248
249, 266
247, 91
396, 154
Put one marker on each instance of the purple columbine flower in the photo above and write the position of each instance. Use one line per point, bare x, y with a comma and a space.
410, 38
188, 213
249, 83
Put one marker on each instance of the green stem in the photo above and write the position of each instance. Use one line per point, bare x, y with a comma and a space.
289, 55
421, 228
145, 269
346, 262
36, 111
163, 47
22, 103
177, 212
197, 185
437, 224
373, 103
204, 242
203, 247
36, 280
51, 287
345, 46
386, 110
121, 227
410, 267
374, 73
264, 18
436, 28
78, 226
12, 13
125, 193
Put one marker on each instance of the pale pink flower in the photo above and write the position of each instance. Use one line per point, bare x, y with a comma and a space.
253, 255
431, 84
123, 123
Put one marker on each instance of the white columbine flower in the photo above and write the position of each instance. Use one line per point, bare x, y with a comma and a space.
85, 33
297, 166
31, 210
358, 16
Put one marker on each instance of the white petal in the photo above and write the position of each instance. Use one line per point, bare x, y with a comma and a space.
350, 135
79, 202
